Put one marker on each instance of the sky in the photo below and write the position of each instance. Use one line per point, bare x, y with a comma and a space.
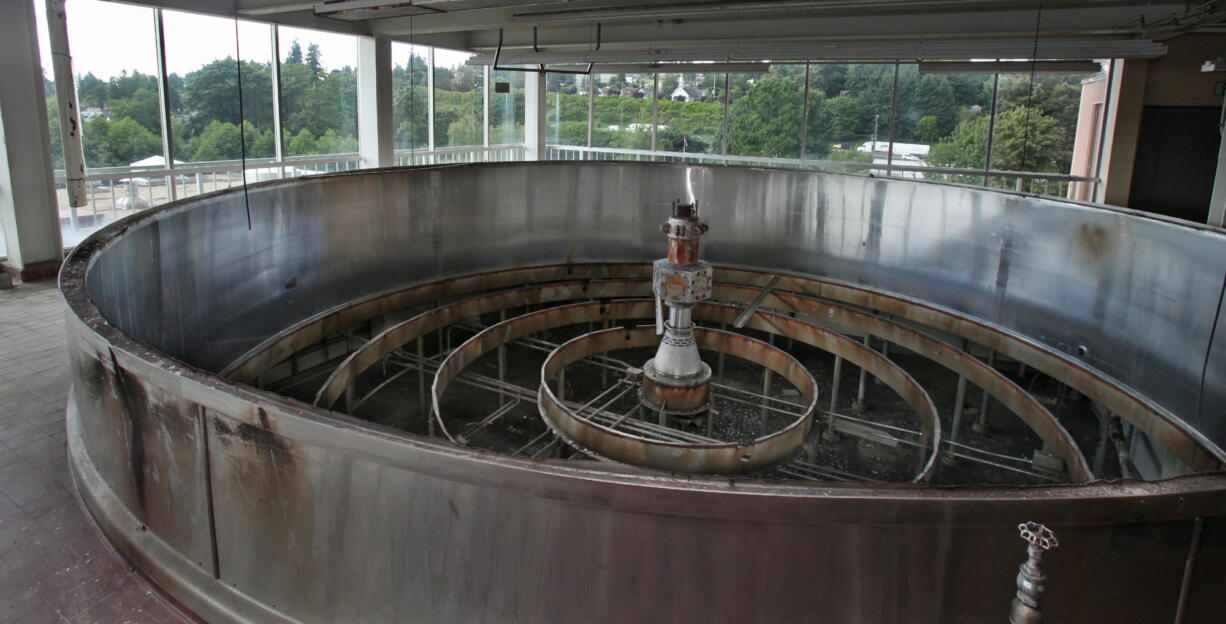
106, 38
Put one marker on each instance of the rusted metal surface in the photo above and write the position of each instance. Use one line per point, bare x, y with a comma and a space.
1187, 444
676, 397
1022, 403
301, 335
882, 368
403, 333
1191, 447
706, 458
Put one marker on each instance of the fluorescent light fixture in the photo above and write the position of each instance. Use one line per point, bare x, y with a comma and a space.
682, 68
1009, 67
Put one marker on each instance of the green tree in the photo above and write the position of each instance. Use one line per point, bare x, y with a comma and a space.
766, 120
301, 144
1024, 140
224, 141
466, 130
927, 129
410, 108
142, 107
53, 122
117, 143
313, 59
295, 53
211, 94
845, 118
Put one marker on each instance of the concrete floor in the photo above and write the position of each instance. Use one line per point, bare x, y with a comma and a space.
55, 565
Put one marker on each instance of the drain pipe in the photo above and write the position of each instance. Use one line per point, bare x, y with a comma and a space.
70, 116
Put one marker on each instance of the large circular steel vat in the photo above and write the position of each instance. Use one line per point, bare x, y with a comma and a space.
246, 505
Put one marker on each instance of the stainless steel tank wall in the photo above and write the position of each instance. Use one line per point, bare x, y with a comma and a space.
1140, 295
248, 506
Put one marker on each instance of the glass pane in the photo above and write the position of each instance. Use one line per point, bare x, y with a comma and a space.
410, 107
120, 115
691, 113
849, 112
458, 108
1036, 122
567, 114
507, 108
622, 115
942, 122
765, 112
204, 88
319, 95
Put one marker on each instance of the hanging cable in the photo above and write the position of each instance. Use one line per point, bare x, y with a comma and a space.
1034, 53
242, 131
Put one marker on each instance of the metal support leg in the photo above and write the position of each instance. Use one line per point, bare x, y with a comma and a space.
421, 379
830, 435
1100, 449
959, 398
719, 374
981, 427
860, 405
502, 363
766, 390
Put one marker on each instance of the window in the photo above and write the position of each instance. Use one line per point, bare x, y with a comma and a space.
766, 111
942, 121
849, 112
205, 71
459, 118
691, 113
622, 115
117, 95
567, 96
410, 105
319, 96
1036, 123
507, 108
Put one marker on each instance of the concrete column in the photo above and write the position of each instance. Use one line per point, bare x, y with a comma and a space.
1123, 128
1217, 203
376, 132
28, 207
534, 116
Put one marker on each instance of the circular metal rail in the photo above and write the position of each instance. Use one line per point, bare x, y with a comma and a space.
248, 506
696, 457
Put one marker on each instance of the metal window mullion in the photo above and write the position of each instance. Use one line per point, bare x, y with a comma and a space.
655, 108
486, 76
987, 154
889, 157
430, 100
804, 122
277, 134
1102, 138
591, 106
159, 36
724, 143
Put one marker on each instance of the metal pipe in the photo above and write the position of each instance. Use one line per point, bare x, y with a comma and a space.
860, 405
1189, 566
987, 158
981, 426
889, 159
70, 118
756, 303
830, 435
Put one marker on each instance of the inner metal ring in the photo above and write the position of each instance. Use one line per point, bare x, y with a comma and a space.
705, 457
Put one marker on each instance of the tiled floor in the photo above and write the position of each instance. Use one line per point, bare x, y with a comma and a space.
54, 564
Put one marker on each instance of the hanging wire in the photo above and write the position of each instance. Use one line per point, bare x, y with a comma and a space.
1034, 53
242, 130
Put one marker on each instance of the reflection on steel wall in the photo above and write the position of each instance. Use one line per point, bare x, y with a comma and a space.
249, 505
